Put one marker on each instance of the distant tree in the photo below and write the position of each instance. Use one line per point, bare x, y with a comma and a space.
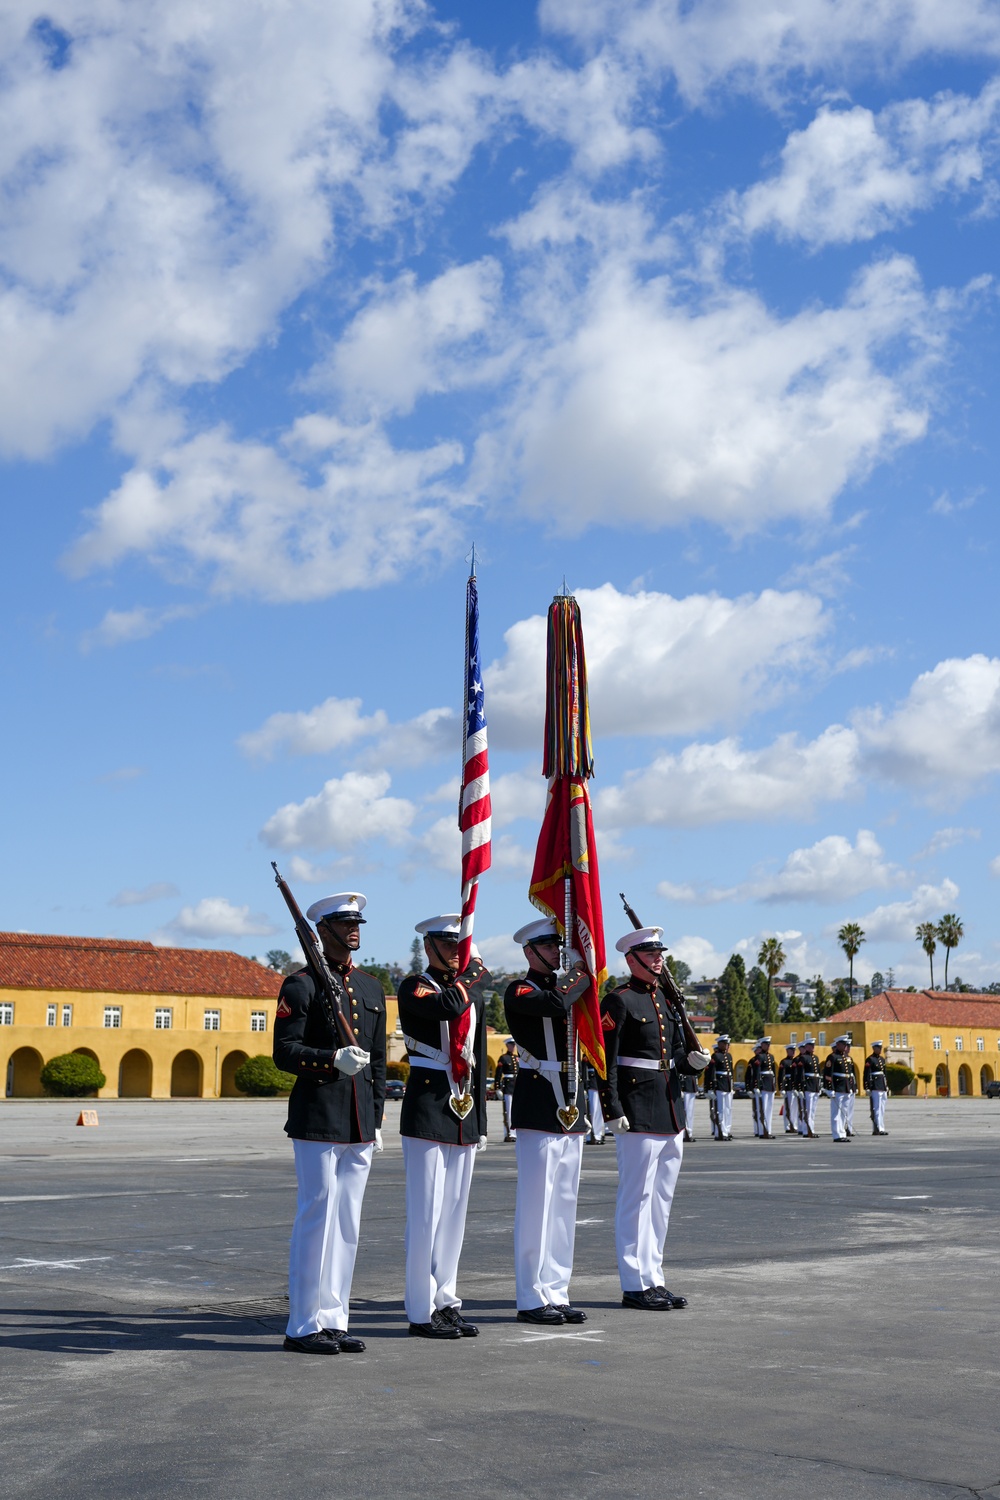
261, 1079
821, 1001
381, 973
841, 1000
790, 978
418, 958
277, 959
926, 935
771, 958
496, 1016
850, 937
868, 991
878, 982
757, 988
679, 969
734, 1015
890, 979
72, 1075
949, 932
793, 1010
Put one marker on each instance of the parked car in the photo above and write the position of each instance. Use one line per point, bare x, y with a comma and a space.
395, 1088
740, 1091
993, 1089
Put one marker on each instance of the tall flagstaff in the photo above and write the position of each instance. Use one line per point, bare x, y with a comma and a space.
565, 883
475, 817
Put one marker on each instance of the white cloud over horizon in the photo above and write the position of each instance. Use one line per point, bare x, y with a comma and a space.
217, 916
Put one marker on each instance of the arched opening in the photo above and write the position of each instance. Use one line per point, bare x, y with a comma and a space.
941, 1078
740, 1072
86, 1052
230, 1063
985, 1077
135, 1075
24, 1074
965, 1080
185, 1076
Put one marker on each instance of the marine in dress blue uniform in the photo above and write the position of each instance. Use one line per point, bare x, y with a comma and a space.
787, 1086
876, 1087
839, 1084
334, 1121
642, 1099
719, 1087
808, 1079
503, 1081
442, 1123
549, 1122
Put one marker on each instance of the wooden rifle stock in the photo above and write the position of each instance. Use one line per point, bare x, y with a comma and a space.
318, 967
670, 989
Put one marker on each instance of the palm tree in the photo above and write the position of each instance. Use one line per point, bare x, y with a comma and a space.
772, 960
927, 938
949, 933
850, 937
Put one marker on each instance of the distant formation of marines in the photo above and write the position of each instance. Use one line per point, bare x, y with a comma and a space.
552, 1106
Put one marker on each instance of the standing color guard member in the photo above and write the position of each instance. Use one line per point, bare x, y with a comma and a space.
877, 1088
787, 1085
765, 1078
838, 1082
503, 1081
719, 1087
442, 1121
808, 1078
550, 1126
645, 1054
334, 1120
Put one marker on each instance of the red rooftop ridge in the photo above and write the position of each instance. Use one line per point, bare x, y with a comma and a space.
118, 966
935, 1007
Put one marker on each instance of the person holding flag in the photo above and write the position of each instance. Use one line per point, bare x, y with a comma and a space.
441, 1013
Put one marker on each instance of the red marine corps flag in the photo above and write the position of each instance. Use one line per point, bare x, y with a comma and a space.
475, 814
565, 883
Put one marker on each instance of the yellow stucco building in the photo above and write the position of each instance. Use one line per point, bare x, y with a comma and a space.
160, 1022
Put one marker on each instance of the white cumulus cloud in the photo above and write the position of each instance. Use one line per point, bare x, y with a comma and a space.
896, 921
216, 916
349, 811
316, 731
159, 890
945, 735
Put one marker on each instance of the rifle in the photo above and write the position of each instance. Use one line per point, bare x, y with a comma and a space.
326, 988
671, 992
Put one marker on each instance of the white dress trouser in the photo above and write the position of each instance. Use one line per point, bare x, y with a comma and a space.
791, 1110
724, 1111
596, 1114
647, 1175
548, 1184
838, 1115
807, 1113
690, 1100
508, 1105
766, 1101
438, 1178
878, 1108
332, 1180
850, 1112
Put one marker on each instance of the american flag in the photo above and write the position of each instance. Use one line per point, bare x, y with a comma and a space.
475, 814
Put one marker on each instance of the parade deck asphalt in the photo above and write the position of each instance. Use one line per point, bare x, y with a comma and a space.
841, 1339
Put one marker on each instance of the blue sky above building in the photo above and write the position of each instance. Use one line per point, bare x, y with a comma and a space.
697, 313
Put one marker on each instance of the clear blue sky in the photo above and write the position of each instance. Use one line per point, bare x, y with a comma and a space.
697, 313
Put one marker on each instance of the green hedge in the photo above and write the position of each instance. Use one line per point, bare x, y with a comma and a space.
260, 1078
72, 1075
400, 1070
898, 1077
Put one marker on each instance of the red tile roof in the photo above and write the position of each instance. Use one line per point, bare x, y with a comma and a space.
935, 1007
30, 961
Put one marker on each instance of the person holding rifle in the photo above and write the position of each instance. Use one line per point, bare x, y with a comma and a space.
807, 1078
787, 1085
838, 1085
329, 1031
503, 1082
442, 1122
647, 1051
719, 1087
876, 1087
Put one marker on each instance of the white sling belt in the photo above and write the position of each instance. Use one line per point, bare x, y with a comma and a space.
646, 1062
549, 1066
439, 1058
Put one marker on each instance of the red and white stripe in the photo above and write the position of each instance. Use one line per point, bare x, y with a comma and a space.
477, 833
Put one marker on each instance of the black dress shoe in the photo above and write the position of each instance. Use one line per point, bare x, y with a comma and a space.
647, 1301
312, 1343
543, 1314
450, 1317
570, 1314
347, 1341
433, 1331
671, 1297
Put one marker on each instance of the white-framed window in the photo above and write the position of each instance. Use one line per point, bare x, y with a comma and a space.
112, 1017
821, 1037
67, 1015
792, 1036
906, 1040
163, 1018
51, 1011
958, 1044
258, 1020
213, 1020
936, 1044
980, 1044
7, 1013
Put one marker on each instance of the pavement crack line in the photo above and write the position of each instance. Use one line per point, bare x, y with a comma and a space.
839, 1463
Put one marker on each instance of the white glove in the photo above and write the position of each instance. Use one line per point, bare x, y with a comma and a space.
481, 1143
378, 1141
699, 1060
351, 1060
573, 960
474, 951
617, 1127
